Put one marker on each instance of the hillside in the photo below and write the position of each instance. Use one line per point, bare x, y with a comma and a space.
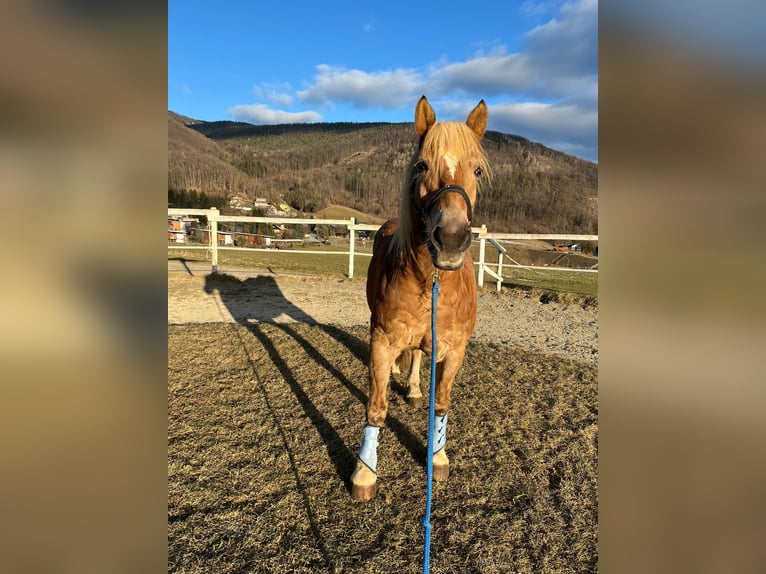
340, 212
360, 166
198, 164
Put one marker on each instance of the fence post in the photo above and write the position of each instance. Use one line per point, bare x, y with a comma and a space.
212, 220
482, 248
351, 234
499, 270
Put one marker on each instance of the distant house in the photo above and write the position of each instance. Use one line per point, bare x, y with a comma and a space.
180, 227
249, 240
339, 231
224, 237
176, 235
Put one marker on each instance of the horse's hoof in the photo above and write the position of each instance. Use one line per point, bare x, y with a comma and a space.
415, 402
363, 483
363, 493
441, 466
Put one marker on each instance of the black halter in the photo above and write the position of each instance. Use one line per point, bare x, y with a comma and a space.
425, 209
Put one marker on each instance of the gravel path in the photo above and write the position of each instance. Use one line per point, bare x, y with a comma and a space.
511, 317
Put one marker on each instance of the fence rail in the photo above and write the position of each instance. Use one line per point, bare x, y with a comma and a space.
483, 236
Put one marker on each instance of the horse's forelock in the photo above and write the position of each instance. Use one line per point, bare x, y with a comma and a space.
454, 139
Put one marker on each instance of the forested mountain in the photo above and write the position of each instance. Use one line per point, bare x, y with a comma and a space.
533, 188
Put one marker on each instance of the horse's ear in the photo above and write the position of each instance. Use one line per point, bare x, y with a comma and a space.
424, 116
477, 119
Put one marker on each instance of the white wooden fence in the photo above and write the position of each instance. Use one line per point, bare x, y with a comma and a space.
482, 235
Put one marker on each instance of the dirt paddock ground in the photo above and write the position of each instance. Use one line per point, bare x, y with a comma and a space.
512, 317
267, 383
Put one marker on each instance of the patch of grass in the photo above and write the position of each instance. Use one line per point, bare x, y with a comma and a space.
560, 285
581, 287
555, 283
281, 261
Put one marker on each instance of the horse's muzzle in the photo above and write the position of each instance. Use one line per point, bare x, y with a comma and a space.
448, 244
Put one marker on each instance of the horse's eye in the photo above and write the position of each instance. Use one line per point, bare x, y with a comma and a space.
421, 166
478, 171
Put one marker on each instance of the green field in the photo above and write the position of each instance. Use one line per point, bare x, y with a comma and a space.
546, 281
573, 282
281, 260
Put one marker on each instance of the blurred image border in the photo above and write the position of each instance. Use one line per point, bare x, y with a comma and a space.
83, 170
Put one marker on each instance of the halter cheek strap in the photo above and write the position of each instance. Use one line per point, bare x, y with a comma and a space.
425, 209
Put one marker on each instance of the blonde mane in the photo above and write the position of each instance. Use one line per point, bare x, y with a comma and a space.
453, 138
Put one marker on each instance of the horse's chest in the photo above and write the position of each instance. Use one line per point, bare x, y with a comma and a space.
405, 315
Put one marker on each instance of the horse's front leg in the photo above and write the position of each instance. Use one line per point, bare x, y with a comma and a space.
446, 370
364, 478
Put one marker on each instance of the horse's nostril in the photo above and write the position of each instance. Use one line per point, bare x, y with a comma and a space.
467, 240
436, 237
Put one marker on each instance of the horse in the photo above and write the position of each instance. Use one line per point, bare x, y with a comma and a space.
428, 241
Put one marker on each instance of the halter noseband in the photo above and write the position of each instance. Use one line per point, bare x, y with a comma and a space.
425, 209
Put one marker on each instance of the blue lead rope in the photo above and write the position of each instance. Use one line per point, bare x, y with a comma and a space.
431, 424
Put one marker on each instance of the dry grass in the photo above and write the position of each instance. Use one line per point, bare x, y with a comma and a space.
342, 212
264, 424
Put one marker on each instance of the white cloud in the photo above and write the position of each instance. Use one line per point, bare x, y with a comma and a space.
563, 127
276, 93
566, 46
546, 92
588, 152
558, 61
536, 8
549, 119
262, 114
388, 89
489, 75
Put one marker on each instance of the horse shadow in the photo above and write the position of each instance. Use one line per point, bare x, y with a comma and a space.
243, 299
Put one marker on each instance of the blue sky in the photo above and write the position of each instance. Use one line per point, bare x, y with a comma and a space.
535, 63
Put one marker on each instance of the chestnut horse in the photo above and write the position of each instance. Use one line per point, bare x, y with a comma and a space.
429, 240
